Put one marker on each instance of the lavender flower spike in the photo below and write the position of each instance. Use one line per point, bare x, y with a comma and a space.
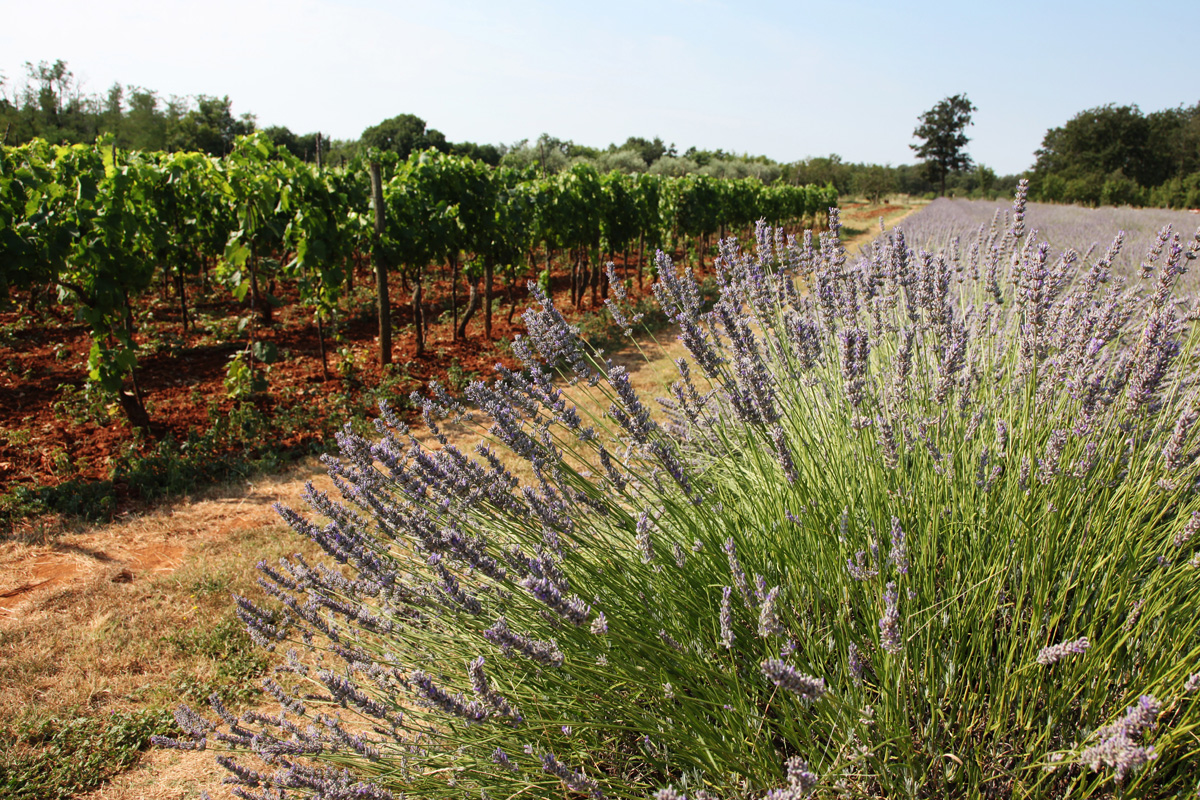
768, 617
889, 623
785, 676
726, 618
800, 778
1055, 652
856, 662
899, 554
1117, 746
501, 758
574, 779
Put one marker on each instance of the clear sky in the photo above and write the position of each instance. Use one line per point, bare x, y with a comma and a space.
784, 79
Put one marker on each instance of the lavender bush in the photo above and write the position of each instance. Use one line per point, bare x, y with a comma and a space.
910, 525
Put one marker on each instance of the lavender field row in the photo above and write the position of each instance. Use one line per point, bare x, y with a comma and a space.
1063, 227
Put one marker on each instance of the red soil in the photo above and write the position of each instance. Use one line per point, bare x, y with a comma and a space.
181, 374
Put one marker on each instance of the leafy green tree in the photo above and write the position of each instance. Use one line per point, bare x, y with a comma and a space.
876, 182
1096, 144
673, 167
487, 153
302, 146
143, 126
403, 135
625, 161
821, 170
941, 130
650, 151
210, 127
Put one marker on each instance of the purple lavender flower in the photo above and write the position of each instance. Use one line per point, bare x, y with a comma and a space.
899, 554
669, 641
632, 414
616, 303
739, 576
860, 568
501, 758
483, 688
1018, 226
1155, 251
726, 618
889, 623
854, 349
451, 704
542, 652
1048, 466
1173, 452
1189, 530
1154, 352
856, 662
643, 537
799, 775
555, 340
1118, 746
787, 677
573, 609
1052, 653
574, 779
768, 617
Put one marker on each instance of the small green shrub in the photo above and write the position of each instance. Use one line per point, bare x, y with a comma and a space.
53, 758
239, 664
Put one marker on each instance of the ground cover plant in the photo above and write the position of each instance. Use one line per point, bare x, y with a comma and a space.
918, 524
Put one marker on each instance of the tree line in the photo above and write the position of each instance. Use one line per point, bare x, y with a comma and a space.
51, 104
1118, 155
94, 226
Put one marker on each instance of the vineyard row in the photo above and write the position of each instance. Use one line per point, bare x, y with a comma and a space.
99, 226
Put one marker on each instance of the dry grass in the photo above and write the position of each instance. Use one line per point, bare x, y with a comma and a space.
136, 615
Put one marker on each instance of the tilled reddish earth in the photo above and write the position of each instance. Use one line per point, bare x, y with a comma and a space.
46, 437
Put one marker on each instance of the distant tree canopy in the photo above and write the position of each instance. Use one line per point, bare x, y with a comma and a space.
878, 181
302, 146
1114, 155
403, 134
51, 104
649, 151
489, 154
210, 127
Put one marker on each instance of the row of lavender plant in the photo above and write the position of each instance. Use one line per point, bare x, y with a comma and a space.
943, 221
909, 525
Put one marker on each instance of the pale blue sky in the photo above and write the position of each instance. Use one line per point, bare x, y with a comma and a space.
787, 80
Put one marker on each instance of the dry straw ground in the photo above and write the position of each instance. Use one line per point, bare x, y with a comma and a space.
137, 613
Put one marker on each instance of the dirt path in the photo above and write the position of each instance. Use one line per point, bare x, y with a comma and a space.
37, 580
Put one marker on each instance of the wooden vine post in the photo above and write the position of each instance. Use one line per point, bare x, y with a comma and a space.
381, 283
